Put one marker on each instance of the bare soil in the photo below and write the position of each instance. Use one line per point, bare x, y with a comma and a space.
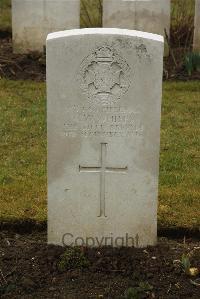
30, 270
20, 66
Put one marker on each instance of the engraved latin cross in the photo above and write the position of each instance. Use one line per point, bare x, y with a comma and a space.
102, 170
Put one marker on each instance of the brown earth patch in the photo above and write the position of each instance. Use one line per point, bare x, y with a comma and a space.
30, 270
20, 66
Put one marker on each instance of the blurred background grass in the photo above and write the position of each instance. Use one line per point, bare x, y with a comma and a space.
182, 23
91, 13
5, 15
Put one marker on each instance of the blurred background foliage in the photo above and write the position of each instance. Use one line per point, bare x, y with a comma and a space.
182, 19
181, 31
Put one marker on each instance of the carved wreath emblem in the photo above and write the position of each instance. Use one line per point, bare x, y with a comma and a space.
104, 76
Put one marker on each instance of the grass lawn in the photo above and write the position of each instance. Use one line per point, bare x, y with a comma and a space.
179, 189
5, 15
23, 153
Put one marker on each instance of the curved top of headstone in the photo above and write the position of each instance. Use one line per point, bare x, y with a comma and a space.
107, 31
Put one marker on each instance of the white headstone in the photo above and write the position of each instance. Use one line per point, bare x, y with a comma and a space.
145, 15
197, 26
32, 20
104, 106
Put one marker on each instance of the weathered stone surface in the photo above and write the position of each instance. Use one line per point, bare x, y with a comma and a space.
104, 106
197, 26
145, 15
32, 20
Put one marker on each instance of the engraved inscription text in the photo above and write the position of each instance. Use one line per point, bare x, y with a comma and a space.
89, 121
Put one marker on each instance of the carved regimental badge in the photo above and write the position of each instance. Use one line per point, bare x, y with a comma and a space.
104, 76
